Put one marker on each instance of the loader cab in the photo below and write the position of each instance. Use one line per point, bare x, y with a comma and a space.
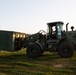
55, 30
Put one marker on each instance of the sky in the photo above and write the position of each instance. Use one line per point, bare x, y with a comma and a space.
30, 16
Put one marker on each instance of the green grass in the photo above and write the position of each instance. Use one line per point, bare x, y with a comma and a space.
17, 63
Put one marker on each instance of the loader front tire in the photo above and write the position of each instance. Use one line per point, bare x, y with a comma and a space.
33, 50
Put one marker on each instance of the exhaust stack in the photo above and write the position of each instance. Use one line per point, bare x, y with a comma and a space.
67, 26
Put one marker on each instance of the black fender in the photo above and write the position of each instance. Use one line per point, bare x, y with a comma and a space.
38, 43
61, 40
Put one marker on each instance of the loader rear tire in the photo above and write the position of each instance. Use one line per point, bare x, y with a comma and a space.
65, 49
33, 50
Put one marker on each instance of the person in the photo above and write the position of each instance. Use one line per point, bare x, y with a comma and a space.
54, 32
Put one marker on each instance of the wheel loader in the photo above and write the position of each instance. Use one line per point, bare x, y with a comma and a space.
55, 39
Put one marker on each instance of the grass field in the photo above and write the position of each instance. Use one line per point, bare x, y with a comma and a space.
17, 63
